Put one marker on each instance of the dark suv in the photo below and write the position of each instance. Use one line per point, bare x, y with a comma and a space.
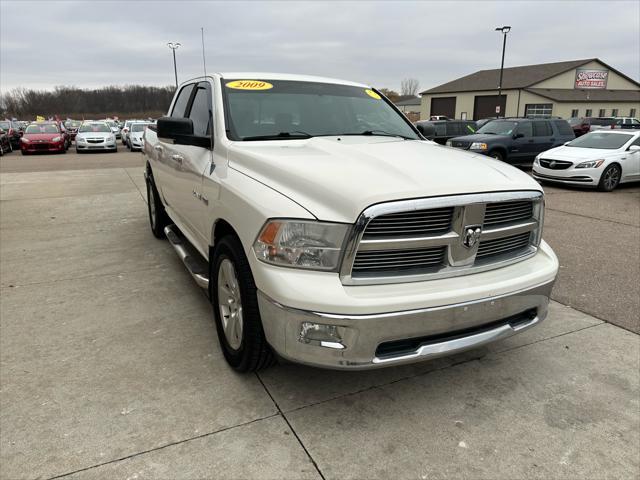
442, 130
516, 140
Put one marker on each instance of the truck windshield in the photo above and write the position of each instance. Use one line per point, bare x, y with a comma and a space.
498, 127
284, 110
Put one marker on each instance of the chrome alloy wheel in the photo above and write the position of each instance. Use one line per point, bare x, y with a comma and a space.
611, 178
230, 303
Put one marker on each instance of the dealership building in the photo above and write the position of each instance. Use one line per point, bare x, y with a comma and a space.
579, 88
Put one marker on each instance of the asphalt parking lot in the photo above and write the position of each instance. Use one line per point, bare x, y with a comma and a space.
110, 366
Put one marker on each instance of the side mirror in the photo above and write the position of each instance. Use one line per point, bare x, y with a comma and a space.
634, 148
518, 135
180, 130
427, 131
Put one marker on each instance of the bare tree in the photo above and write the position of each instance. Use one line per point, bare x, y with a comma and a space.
409, 86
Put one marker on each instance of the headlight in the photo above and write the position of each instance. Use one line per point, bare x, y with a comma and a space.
301, 244
538, 214
25, 140
590, 164
536, 160
56, 139
478, 146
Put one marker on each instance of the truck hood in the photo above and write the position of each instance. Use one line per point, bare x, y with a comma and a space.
336, 178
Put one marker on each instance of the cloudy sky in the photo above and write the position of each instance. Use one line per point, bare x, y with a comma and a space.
93, 43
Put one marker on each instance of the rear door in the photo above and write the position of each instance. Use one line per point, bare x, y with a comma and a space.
189, 162
543, 137
164, 171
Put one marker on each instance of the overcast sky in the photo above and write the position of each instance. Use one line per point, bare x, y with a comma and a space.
95, 43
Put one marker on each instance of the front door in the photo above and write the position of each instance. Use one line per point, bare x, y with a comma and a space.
543, 138
522, 148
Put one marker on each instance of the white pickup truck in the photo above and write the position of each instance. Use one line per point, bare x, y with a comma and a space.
327, 231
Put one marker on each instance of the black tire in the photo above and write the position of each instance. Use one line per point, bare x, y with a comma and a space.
24, 153
158, 218
610, 178
253, 352
497, 154
10, 147
78, 151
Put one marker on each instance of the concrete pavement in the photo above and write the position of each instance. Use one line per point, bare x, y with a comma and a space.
110, 367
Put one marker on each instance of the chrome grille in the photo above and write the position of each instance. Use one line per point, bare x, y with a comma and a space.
420, 222
502, 246
398, 261
507, 212
555, 164
415, 240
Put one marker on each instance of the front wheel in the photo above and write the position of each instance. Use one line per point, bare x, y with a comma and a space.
235, 308
610, 178
497, 155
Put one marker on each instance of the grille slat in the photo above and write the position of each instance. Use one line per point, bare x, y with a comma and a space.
555, 164
507, 212
417, 222
502, 246
385, 261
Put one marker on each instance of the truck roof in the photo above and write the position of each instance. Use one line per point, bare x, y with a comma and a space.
287, 76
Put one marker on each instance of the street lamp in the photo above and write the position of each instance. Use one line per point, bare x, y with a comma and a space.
504, 31
174, 47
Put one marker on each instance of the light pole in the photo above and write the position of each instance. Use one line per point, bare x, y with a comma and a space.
504, 31
174, 47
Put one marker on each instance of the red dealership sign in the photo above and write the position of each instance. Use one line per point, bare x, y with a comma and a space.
589, 78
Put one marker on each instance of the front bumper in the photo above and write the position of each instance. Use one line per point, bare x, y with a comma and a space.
96, 146
36, 147
571, 176
386, 339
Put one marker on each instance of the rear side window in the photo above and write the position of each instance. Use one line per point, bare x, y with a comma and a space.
181, 102
563, 128
541, 129
200, 110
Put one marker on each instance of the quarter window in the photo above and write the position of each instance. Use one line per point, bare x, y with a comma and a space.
541, 129
180, 105
538, 109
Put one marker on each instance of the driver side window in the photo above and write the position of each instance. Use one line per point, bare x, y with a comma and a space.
525, 129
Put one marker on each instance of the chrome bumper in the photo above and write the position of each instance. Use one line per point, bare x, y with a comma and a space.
386, 339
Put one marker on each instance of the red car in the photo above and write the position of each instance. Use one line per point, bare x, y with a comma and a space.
42, 137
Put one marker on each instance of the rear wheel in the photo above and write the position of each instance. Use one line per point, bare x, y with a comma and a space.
158, 218
235, 308
610, 178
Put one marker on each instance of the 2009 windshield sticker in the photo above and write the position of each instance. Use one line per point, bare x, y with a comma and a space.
373, 94
249, 85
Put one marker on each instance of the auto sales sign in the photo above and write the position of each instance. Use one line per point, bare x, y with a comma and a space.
589, 78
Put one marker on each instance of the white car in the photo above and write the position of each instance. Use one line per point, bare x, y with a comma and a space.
114, 127
602, 159
94, 136
135, 134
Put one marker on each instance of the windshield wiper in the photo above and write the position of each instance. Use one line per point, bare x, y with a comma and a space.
295, 135
380, 133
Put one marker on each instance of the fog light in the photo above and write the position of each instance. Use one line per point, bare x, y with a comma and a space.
323, 335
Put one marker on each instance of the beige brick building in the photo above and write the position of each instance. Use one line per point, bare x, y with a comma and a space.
579, 88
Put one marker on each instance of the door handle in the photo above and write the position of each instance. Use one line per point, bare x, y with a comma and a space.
158, 148
177, 158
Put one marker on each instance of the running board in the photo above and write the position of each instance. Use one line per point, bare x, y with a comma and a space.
197, 266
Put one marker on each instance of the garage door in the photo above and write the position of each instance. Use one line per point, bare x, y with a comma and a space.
484, 106
444, 106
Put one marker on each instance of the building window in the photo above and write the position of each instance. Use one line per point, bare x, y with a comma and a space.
574, 113
538, 109
614, 112
588, 112
632, 112
601, 112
